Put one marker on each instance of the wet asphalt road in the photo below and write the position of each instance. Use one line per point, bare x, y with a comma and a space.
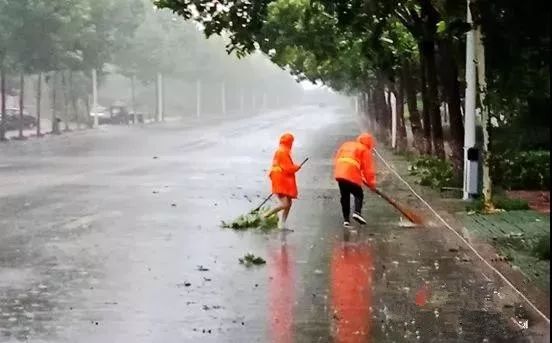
113, 236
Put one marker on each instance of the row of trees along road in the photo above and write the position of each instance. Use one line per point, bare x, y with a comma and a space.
414, 49
58, 43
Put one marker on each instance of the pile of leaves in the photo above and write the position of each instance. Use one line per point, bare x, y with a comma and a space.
432, 172
251, 260
253, 220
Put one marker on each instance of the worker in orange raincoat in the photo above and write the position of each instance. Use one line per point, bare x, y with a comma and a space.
354, 166
282, 176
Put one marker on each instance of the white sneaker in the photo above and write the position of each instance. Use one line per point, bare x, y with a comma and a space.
347, 225
359, 218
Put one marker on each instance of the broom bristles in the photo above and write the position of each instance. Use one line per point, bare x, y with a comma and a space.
408, 213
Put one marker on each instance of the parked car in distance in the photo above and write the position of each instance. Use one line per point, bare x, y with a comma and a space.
102, 114
119, 114
137, 117
13, 118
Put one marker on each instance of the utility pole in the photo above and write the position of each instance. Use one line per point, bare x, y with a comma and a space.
469, 112
223, 98
198, 98
94, 96
38, 102
160, 97
482, 81
133, 97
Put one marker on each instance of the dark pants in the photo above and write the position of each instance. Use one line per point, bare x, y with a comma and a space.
347, 188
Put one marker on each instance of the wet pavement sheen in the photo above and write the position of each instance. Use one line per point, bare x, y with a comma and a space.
113, 236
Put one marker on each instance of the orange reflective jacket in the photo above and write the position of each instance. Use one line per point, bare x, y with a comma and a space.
282, 173
354, 162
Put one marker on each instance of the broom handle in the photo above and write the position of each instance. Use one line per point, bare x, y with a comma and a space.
270, 196
388, 199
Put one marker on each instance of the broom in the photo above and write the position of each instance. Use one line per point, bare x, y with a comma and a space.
270, 196
408, 213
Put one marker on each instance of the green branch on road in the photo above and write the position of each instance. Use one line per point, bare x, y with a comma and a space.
252, 220
251, 260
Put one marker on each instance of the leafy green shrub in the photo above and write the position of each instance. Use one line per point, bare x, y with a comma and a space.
500, 202
525, 170
432, 172
508, 204
542, 248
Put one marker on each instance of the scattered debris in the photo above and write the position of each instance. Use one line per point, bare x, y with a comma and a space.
202, 268
318, 272
252, 220
173, 205
155, 157
250, 259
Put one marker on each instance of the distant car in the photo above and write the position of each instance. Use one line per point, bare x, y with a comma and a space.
13, 119
137, 117
119, 114
102, 114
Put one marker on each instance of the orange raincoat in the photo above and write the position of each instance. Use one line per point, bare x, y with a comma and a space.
354, 162
282, 173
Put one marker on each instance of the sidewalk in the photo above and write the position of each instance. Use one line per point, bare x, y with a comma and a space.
506, 240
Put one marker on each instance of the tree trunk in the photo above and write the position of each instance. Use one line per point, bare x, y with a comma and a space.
428, 50
38, 103
3, 121
21, 103
451, 86
412, 103
382, 115
73, 98
426, 108
65, 101
87, 108
55, 125
401, 129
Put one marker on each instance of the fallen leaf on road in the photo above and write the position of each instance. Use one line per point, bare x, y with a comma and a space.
250, 259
